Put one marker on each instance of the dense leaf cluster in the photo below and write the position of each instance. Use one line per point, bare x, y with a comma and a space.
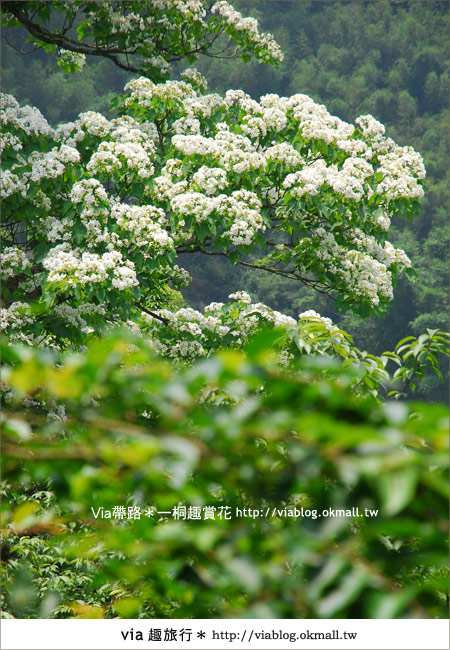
128, 430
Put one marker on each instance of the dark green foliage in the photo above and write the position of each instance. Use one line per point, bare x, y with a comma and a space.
35, 79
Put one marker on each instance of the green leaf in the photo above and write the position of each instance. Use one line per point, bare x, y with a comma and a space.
347, 593
390, 605
397, 490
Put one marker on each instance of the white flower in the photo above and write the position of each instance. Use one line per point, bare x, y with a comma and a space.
13, 260
311, 314
242, 296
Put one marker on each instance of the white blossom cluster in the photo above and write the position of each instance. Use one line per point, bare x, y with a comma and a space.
95, 206
196, 204
209, 180
307, 181
384, 221
117, 22
312, 314
192, 327
51, 164
91, 193
186, 126
260, 119
386, 253
69, 266
72, 316
56, 229
315, 122
241, 296
76, 317
244, 102
56, 414
13, 261
122, 129
231, 151
356, 147
249, 26
401, 169
159, 63
255, 127
10, 141
202, 107
42, 200
125, 23
67, 57
145, 92
9, 183
241, 211
165, 187
284, 154
244, 208
193, 8
195, 79
368, 277
180, 276
145, 225
93, 123
39, 166
191, 334
178, 166
187, 350
129, 153
16, 316
349, 180
24, 118
369, 126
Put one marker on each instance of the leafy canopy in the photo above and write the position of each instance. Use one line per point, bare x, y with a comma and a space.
106, 206
141, 37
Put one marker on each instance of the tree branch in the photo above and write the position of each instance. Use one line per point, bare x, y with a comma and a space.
153, 314
315, 284
61, 40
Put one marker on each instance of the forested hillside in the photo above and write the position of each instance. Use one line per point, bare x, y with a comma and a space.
385, 58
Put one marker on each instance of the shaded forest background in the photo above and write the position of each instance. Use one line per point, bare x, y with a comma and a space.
389, 59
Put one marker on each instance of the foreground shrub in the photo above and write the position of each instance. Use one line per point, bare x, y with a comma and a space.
116, 427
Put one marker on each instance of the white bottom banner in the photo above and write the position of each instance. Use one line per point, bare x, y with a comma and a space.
215, 634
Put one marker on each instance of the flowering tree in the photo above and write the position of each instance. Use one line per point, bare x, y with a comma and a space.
97, 215
105, 207
142, 37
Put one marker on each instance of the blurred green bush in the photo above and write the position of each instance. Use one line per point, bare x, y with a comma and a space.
115, 426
